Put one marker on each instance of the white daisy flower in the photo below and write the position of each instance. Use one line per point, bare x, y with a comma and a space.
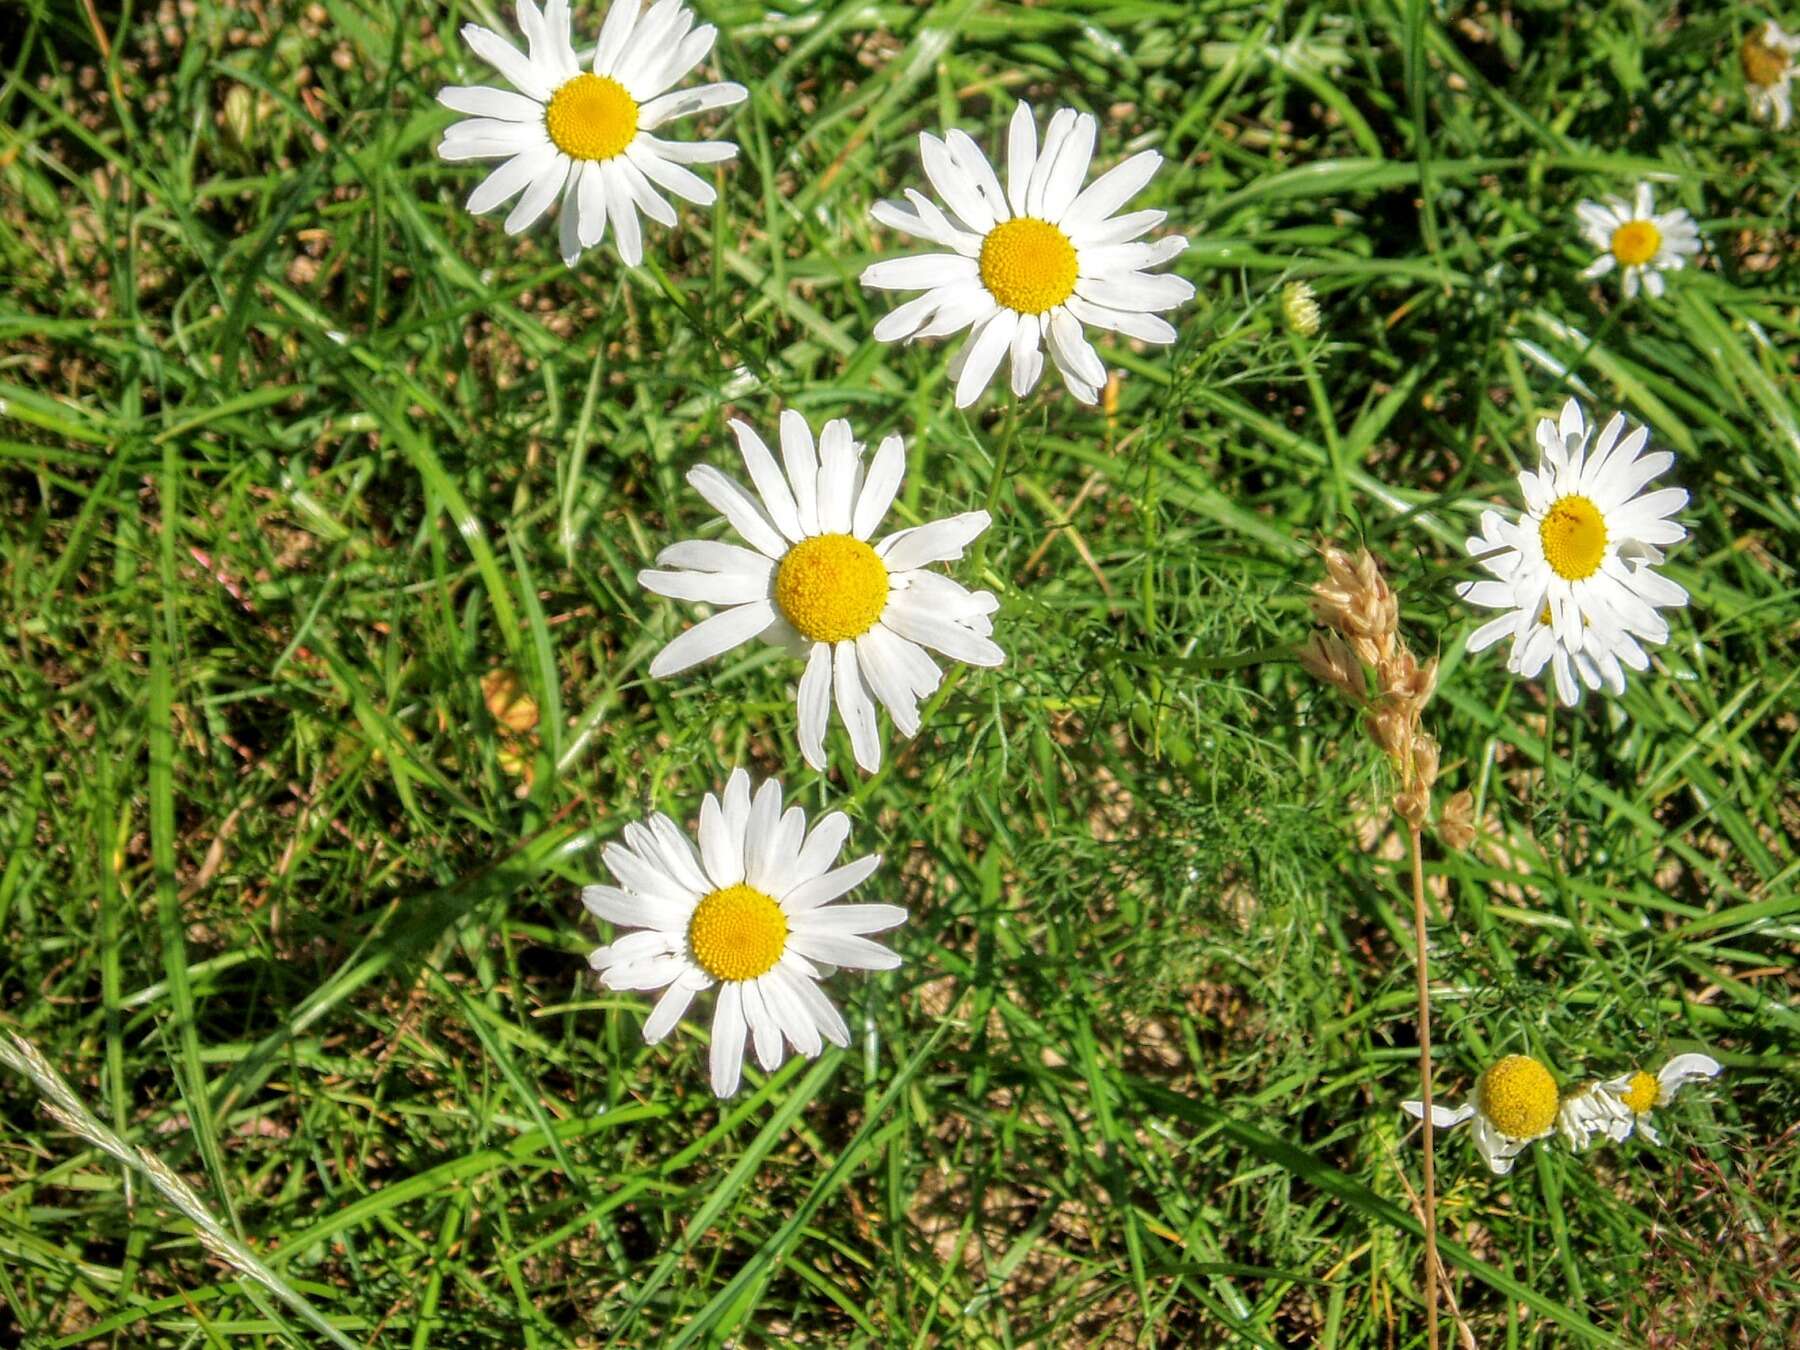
862, 614
1768, 60
1617, 1106
586, 133
747, 913
1029, 265
1576, 574
1633, 236
1514, 1103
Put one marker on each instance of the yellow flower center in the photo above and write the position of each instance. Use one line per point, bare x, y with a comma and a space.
1028, 264
831, 587
1763, 65
1518, 1096
1544, 616
1635, 242
1574, 537
591, 117
1640, 1093
737, 933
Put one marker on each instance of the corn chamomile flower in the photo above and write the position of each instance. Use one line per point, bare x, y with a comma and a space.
1634, 237
747, 913
1617, 1106
586, 133
1514, 1103
862, 614
1575, 574
1030, 264
1768, 60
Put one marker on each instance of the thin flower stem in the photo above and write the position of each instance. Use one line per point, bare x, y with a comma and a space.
1001, 455
1429, 1196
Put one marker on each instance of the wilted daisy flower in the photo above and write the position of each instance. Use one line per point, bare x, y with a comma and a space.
586, 133
1768, 60
1029, 265
1514, 1103
862, 614
1617, 1106
1632, 236
1575, 574
747, 913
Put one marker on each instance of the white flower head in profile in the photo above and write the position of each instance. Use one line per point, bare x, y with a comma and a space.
861, 613
1575, 574
586, 134
1633, 237
748, 914
1031, 263
1616, 1107
1514, 1103
1767, 56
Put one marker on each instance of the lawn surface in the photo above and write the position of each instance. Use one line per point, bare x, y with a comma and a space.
296, 454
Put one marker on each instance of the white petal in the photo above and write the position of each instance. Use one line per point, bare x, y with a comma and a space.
707, 588
592, 189
505, 182
747, 517
480, 100
668, 1011
1442, 1117
837, 476
986, 346
878, 489
956, 188
920, 272
1072, 162
1027, 356
710, 637
814, 705
802, 464
826, 1017
764, 1029
978, 171
1684, 1069
885, 672
634, 911
727, 1055
686, 102
855, 707
667, 174
1021, 155
823, 844
1062, 124
935, 541
509, 61
824, 888
1068, 343
537, 198
841, 949
621, 18
853, 919
786, 1006
1137, 291
771, 484
1111, 190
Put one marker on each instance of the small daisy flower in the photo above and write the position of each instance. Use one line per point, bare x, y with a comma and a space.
862, 614
1029, 265
1620, 1105
1633, 236
586, 133
1768, 60
749, 914
1514, 1103
1576, 574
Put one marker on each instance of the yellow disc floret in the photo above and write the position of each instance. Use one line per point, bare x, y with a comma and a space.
1641, 1092
831, 587
1028, 264
1635, 242
1763, 65
1518, 1096
1574, 537
737, 933
591, 117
